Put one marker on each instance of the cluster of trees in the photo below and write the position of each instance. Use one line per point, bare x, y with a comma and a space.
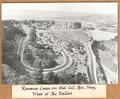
32, 36
67, 78
51, 78
48, 58
28, 56
77, 25
99, 45
44, 52
10, 45
77, 45
37, 78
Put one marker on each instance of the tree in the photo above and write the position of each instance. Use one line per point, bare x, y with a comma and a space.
29, 56
86, 60
32, 36
38, 73
50, 77
78, 76
77, 25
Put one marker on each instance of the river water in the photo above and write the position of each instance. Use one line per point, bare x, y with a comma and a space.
102, 35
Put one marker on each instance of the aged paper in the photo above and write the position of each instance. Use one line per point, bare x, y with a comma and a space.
67, 50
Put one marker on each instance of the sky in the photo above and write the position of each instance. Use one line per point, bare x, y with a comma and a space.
20, 10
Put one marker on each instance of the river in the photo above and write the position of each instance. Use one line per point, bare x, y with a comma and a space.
102, 35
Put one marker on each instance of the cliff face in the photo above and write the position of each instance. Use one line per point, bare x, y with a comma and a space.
11, 38
106, 58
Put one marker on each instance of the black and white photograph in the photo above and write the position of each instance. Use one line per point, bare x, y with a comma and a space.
60, 43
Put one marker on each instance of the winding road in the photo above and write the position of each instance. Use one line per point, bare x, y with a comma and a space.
68, 61
92, 67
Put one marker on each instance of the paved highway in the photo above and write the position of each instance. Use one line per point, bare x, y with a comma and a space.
92, 67
68, 60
